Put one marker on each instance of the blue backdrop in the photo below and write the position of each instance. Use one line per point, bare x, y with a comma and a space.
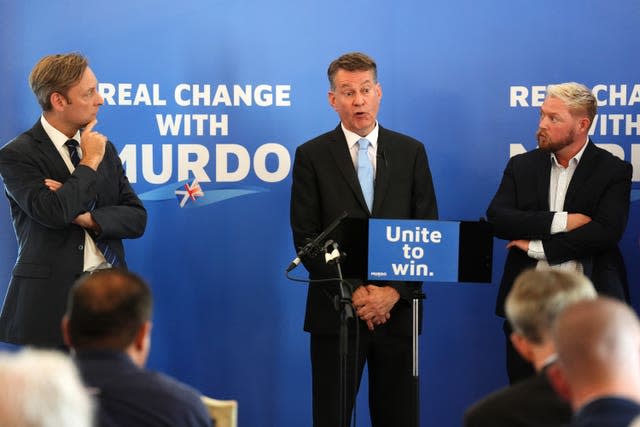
462, 76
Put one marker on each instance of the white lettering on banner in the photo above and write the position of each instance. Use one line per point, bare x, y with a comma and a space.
520, 96
223, 151
187, 95
630, 122
141, 96
162, 163
192, 159
411, 269
419, 234
180, 124
612, 95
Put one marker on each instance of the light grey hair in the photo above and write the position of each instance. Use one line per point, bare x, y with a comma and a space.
538, 296
42, 388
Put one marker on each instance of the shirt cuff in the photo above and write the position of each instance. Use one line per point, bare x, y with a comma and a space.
536, 250
559, 223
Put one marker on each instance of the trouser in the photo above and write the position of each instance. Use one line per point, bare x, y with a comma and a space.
388, 358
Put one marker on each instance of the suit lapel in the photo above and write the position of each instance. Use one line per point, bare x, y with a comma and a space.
342, 157
45, 146
544, 174
585, 167
382, 169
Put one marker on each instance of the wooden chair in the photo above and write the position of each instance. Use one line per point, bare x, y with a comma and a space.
223, 412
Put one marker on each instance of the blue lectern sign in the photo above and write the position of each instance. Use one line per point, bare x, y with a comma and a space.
413, 250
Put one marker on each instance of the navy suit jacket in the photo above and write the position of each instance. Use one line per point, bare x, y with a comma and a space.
529, 403
50, 247
325, 184
606, 412
600, 188
133, 397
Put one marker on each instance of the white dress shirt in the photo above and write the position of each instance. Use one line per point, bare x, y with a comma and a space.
558, 184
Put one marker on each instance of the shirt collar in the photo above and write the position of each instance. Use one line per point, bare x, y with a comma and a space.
353, 138
575, 159
57, 137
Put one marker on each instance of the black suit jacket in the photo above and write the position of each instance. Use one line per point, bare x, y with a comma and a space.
600, 188
50, 247
325, 184
528, 403
607, 412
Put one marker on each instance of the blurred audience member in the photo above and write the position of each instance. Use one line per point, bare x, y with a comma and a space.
42, 388
108, 325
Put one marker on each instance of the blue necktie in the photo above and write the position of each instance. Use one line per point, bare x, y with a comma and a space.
365, 171
109, 255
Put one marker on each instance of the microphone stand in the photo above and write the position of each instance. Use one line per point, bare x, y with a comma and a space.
343, 304
415, 313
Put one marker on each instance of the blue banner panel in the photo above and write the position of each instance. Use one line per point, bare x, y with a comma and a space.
413, 250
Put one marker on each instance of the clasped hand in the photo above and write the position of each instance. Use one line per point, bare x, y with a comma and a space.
373, 304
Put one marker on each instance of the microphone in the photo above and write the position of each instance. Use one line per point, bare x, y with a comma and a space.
315, 243
331, 252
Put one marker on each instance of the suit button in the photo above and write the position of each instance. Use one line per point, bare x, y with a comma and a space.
80, 247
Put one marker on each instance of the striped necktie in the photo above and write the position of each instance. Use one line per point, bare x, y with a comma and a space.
72, 145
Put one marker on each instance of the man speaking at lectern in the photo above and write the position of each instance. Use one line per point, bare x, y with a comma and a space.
369, 172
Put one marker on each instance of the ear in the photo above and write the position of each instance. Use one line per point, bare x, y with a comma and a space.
558, 381
332, 99
378, 90
57, 101
64, 324
584, 124
522, 345
141, 339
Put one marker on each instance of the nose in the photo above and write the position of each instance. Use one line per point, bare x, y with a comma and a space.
358, 99
542, 124
100, 98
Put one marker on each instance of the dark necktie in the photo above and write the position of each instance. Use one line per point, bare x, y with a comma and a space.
72, 145
109, 255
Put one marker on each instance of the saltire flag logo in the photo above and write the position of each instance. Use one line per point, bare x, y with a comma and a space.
188, 192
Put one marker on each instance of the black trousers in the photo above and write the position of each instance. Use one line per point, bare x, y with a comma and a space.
388, 359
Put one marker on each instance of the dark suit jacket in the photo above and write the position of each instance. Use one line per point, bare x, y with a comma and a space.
528, 403
600, 188
325, 184
50, 247
130, 396
606, 412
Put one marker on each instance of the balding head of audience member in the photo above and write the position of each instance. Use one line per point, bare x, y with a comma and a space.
598, 347
42, 388
110, 310
535, 300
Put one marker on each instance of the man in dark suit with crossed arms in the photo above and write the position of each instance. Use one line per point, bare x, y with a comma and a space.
326, 183
70, 201
564, 204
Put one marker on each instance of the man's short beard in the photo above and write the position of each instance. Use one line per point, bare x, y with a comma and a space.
554, 146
